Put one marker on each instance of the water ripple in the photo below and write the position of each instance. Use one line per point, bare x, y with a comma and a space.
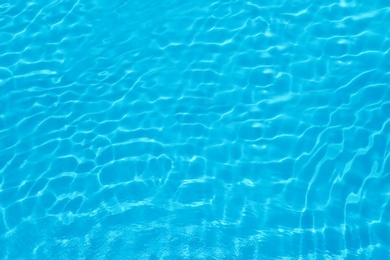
180, 129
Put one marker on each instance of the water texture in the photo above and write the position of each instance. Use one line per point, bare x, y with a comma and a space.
194, 129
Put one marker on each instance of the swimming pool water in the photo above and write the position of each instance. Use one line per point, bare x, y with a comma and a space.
194, 129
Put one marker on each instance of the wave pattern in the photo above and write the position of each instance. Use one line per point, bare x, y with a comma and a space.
194, 129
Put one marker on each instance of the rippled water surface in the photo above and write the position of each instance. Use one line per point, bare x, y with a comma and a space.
194, 129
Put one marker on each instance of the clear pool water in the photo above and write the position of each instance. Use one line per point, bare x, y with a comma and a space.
194, 129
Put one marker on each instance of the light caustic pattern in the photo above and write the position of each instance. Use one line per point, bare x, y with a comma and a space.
198, 129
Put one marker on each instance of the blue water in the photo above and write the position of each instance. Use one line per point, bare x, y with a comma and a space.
194, 129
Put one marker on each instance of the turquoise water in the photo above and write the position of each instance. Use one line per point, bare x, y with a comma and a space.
194, 129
